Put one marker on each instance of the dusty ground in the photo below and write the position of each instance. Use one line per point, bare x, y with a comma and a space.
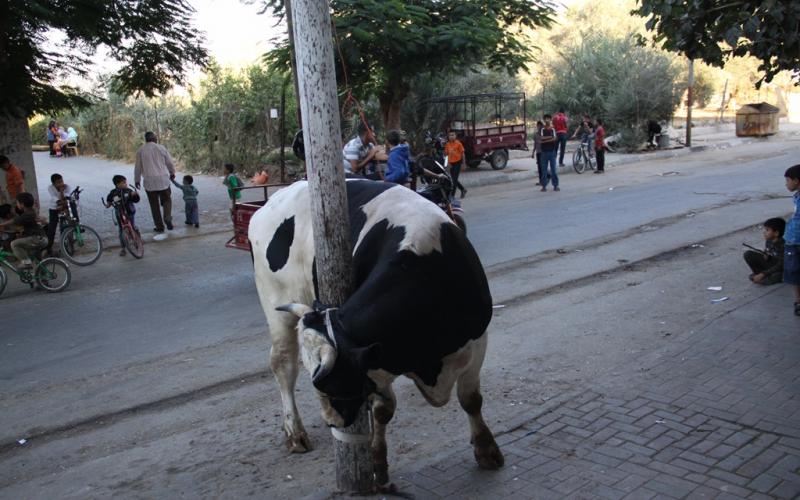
227, 442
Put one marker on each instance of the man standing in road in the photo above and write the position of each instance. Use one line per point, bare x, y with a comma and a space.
561, 124
154, 163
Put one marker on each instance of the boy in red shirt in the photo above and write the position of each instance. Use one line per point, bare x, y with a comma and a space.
560, 124
454, 151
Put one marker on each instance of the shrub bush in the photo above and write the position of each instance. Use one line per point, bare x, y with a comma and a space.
615, 78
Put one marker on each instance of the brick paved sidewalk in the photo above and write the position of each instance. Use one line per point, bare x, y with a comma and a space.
716, 414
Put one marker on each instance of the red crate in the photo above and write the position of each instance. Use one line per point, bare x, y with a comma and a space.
242, 213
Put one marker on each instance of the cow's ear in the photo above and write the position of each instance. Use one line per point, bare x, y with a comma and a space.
368, 357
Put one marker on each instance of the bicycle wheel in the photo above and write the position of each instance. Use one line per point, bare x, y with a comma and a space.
53, 275
133, 241
578, 160
3, 280
81, 245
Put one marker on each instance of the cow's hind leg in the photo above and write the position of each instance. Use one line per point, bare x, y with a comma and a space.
283, 359
487, 453
383, 406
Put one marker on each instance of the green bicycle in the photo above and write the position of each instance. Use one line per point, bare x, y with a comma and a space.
50, 274
80, 244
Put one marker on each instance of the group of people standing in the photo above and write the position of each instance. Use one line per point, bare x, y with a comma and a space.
59, 139
550, 142
361, 155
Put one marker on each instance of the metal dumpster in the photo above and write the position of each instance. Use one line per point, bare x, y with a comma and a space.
757, 120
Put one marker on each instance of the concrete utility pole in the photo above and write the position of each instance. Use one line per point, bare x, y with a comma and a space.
287, 6
316, 76
283, 130
689, 105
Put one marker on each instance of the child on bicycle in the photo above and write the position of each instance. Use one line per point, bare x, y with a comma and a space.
123, 198
189, 200
33, 236
6, 234
586, 132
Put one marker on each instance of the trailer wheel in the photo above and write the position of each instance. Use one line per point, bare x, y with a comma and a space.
474, 162
499, 159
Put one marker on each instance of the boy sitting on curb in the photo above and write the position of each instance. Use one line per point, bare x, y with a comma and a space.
767, 266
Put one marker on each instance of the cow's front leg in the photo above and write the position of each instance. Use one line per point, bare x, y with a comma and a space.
383, 406
283, 359
487, 453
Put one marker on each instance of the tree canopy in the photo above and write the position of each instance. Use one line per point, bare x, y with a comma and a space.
713, 30
153, 39
383, 45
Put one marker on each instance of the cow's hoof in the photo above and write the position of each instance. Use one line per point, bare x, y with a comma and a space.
489, 457
298, 443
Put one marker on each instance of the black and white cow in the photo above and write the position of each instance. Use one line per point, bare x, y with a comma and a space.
420, 308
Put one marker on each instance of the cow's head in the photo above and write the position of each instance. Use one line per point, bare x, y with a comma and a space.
338, 368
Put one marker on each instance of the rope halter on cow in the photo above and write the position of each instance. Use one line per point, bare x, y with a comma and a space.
338, 434
329, 326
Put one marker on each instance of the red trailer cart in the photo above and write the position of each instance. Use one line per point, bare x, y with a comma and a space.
244, 209
489, 125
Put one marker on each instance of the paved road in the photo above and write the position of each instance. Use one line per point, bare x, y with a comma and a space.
94, 175
131, 332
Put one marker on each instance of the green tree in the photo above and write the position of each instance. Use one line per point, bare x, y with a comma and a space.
615, 78
153, 39
383, 45
714, 30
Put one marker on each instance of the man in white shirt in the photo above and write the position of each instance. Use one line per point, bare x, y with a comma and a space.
358, 152
154, 163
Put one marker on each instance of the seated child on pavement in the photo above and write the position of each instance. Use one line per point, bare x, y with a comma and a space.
767, 266
126, 197
33, 235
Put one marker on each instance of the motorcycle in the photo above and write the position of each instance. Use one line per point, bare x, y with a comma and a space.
437, 186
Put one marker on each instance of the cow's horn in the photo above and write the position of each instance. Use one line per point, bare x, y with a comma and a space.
298, 310
327, 355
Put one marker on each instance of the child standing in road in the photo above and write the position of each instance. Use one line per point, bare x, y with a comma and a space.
537, 149
189, 200
231, 181
454, 151
767, 266
548, 139
791, 252
57, 190
125, 197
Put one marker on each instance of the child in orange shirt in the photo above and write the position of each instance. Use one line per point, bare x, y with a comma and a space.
454, 151
15, 182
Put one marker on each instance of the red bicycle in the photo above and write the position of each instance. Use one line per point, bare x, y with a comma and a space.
131, 238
